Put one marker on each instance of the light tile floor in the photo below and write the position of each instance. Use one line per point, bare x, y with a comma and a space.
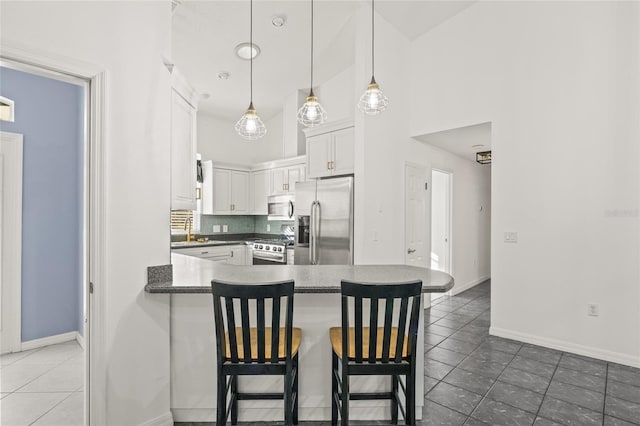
472, 378
43, 387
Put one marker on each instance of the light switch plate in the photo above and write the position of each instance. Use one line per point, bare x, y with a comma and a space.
216, 228
268, 228
225, 228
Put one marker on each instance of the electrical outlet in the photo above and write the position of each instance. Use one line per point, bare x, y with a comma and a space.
268, 228
593, 310
510, 237
225, 228
216, 228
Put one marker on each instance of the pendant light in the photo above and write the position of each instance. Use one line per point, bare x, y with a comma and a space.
250, 126
311, 113
373, 101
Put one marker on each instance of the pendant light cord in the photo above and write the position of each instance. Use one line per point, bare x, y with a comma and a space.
372, 40
311, 88
251, 52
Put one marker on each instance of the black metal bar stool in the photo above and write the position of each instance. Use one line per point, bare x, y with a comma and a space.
373, 350
260, 350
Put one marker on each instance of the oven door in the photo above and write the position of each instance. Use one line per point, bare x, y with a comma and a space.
269, 258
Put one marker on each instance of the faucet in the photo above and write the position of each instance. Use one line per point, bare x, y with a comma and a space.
188, 221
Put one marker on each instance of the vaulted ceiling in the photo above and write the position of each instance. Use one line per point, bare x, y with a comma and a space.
205, 34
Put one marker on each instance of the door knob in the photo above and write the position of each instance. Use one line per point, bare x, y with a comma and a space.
409, 251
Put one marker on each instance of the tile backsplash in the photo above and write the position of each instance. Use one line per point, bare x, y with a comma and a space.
238, 224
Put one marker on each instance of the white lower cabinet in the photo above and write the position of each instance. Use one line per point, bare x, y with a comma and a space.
233, 254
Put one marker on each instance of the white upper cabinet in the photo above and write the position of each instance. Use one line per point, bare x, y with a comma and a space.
330, 149
224, 191
283, 179
183, 153
260, 189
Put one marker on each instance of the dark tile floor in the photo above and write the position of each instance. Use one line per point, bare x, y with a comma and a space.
472, 378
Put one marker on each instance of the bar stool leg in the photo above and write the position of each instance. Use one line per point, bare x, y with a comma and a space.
221, 409
234, 398
411, 400
394, 399
345, 394
287, 397
295, 390
334, 388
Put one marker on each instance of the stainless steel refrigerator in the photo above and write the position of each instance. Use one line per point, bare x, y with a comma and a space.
324, 222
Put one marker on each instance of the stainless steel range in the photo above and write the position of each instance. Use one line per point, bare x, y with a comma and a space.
270, 252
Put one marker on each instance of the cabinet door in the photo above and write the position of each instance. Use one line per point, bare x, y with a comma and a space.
183, 154
319, 155
237, 255
343, 155
221, 191
239, 192
295, 174
260, 189
279, 181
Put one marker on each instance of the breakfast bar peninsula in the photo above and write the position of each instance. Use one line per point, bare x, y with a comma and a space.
316, 309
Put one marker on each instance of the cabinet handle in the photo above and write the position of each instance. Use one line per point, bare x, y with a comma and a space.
333, 165
232, 253
204, 252
328, 165
198, 193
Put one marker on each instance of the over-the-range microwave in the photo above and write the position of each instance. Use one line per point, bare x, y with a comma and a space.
280, 207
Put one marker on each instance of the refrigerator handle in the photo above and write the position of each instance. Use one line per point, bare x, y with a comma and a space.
316, 227
311, 234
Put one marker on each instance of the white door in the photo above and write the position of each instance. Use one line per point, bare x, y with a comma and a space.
417, 221
10, 240
441, 221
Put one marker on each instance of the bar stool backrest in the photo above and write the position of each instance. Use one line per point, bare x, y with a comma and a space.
375, 294
260, 293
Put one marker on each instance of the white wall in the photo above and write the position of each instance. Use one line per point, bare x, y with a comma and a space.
334, 95
127, 39
559, 82
218, 141
384, 146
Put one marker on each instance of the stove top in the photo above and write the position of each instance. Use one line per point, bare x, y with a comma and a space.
275, 241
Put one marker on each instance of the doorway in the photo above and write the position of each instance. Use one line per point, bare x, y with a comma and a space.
440, 222
51, 114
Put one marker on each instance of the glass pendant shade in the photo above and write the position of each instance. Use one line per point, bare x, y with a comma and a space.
250, 126
373, 101
311, 113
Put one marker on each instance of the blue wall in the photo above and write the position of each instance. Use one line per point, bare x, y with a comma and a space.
49, 113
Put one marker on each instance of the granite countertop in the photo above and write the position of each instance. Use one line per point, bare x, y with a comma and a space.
209, 243
193, 275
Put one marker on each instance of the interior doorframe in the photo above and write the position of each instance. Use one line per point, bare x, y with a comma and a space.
450, 219
15, 271
94, 215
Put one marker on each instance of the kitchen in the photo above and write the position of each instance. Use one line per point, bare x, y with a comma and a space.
527, 70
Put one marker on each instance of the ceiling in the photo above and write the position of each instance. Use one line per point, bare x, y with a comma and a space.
460, 141
205, 33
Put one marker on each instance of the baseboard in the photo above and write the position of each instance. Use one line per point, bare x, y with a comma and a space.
561, 345
164, 420
49, 340
80, 340
457, 289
